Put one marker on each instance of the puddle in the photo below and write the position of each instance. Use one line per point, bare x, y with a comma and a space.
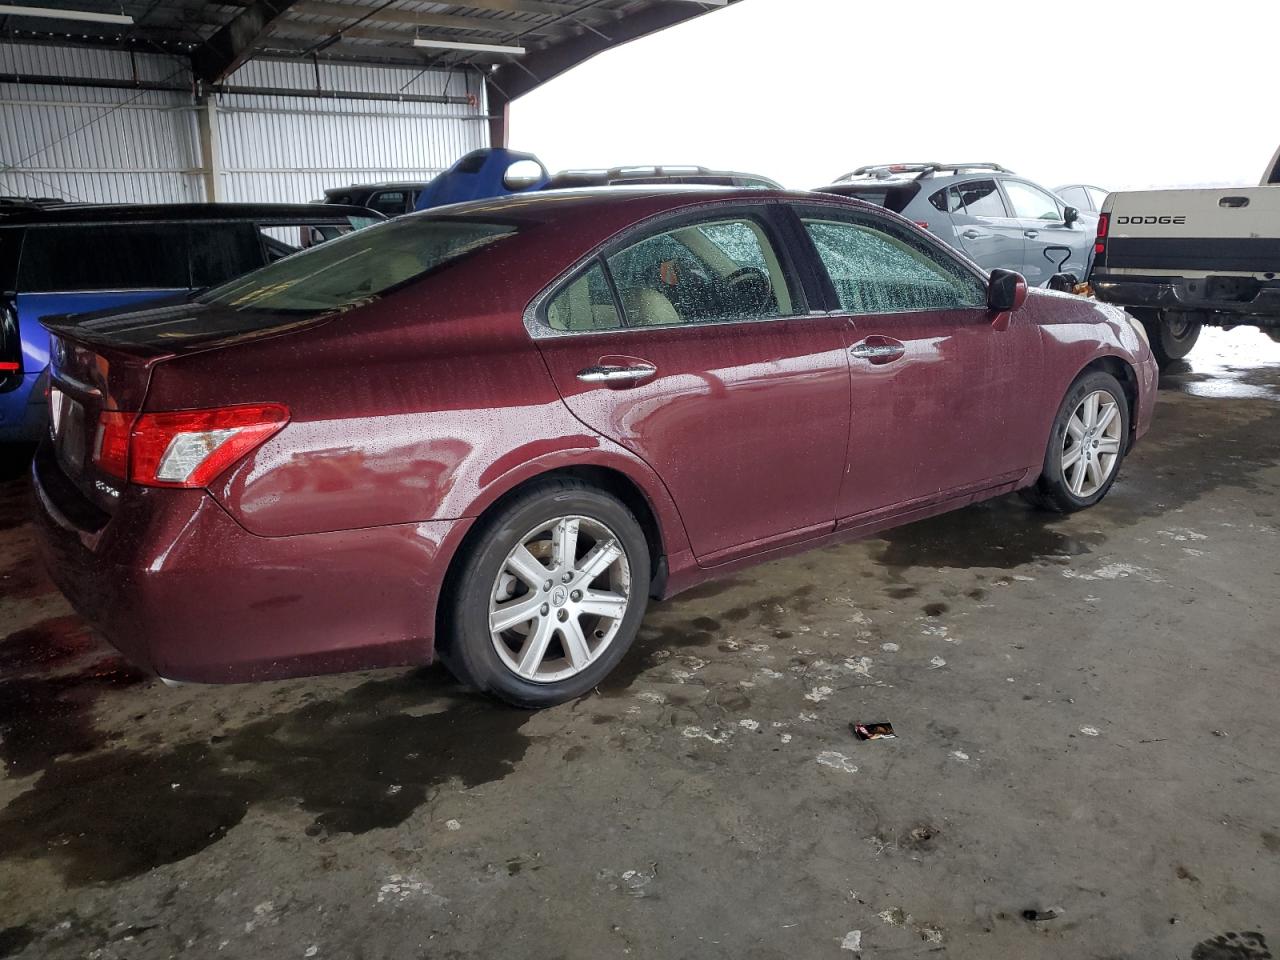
355, 762
1004, 533
1239, 364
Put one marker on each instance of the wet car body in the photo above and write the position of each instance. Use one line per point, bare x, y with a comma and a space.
412, 414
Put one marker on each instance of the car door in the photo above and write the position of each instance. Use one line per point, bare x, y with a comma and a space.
938, 393
1052, 245
690, 344
984, 227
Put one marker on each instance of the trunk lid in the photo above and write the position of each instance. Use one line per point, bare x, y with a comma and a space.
101, 364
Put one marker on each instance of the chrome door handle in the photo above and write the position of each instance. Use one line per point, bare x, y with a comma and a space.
1031, 234
971, 234
610, 373
877, 351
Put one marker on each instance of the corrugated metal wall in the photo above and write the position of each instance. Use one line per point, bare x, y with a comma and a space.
291, 149
107, 145
102, 145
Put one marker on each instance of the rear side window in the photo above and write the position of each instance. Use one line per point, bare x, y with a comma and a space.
586, 304
1097, 197
1076, 197
10, 244
126, 256
977, 198
362, 264
391, 203
876, 269
711, 272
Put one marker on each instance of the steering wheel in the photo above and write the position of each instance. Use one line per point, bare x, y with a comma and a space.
749, 287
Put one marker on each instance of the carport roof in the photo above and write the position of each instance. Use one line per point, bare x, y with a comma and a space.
219, 36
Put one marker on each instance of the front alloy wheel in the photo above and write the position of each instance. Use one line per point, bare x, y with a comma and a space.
1091, 446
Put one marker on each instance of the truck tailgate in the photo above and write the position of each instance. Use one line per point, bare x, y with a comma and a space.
1232, 230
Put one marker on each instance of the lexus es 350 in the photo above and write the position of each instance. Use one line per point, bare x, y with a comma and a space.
493, 431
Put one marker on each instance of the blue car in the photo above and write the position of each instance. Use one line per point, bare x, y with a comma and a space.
494, 172
72, 259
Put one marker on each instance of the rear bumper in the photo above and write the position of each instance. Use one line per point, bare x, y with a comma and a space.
1190, 294
180, 588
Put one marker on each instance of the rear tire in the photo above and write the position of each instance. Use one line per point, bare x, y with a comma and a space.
530, 572
1172, 334
1086, 445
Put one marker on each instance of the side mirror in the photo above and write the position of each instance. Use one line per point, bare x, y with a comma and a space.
522, 175
1006, 292
1070, 215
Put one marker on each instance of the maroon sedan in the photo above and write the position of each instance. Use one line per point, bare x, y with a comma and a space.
494, 430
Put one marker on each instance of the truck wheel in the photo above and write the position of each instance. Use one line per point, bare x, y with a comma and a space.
1172, 333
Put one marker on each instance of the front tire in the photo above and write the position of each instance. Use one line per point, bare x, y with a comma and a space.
1172, 334
1086, 445
549, 596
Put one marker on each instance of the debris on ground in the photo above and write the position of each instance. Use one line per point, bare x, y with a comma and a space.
874, 731
1049, 913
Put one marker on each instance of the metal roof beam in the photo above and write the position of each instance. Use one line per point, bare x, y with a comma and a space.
318, 8
225, 51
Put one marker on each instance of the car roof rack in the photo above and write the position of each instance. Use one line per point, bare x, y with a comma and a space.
885, 171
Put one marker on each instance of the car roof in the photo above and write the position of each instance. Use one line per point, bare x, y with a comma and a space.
152, 212
383, 185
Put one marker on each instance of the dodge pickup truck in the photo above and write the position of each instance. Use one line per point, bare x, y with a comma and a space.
1179, 260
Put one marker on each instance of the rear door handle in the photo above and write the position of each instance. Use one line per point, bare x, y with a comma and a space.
971, 234
617, 373
1031, 234
878, 350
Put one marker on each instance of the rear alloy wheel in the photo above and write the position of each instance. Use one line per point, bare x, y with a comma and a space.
1172, 333
1086, 446
551, 596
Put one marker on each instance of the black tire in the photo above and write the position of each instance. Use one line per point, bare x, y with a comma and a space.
465, 644
1052, 491
1172, 335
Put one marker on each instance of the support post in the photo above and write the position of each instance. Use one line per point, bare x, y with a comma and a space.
210, 157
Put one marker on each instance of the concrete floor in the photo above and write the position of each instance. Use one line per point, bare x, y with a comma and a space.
1087, 729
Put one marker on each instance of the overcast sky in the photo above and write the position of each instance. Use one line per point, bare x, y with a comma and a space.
1121, 94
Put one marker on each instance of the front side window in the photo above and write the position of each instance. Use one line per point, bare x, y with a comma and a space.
977, 198
360, 265
875, 269
704, 273
390, 203
1031, 203
109, 256
1076, 197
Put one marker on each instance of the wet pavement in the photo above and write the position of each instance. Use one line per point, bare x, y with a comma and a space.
1085, 763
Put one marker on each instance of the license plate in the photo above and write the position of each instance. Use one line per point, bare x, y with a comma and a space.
67, 416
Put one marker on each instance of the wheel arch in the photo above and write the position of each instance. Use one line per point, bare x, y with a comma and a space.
1122, 370
653, 510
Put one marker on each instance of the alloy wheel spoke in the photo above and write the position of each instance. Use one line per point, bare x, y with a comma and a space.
601, 604
1077, 482
535, 646
526, 566
1109, 413
1095, 473
1075, 426
513, 614
575, 643
1091, 410
601, 557
1108, 445
564, 543
1071, 455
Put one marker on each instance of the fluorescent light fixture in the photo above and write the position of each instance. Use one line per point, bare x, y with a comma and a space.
50, 13
469, 47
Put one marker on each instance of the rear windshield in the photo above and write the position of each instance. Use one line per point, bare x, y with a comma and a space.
360, 265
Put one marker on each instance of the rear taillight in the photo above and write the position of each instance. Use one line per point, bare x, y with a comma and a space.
10, 341
185, 448
1100, 245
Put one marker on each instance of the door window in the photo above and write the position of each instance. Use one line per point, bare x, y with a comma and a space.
121, 256
586, 304
1031, 203
977, 198
1076, 197
712, 272
876, 269
223, 251
1097, 197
